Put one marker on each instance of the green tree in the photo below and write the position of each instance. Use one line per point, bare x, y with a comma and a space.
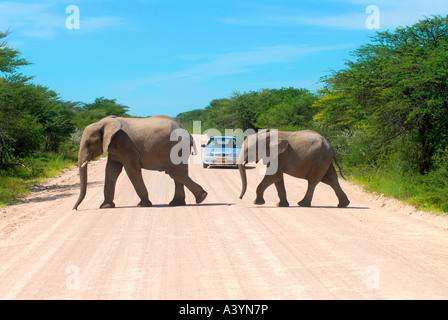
10, 59
248, 108
397, 88
100, 108
18, 130
288, 109
285, 109
188, 117
55, 116
32, 117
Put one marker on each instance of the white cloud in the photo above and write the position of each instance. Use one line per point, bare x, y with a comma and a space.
347, 21
234, 63
95, 23
45, 20
351, 14
31, 19
405, 13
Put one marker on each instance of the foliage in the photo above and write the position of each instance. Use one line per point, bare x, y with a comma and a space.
99, 109
284, 109
397, 89
31, 116
287, 109
387, 112
10, 59
17, 181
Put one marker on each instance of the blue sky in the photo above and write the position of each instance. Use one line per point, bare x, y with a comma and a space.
171, 56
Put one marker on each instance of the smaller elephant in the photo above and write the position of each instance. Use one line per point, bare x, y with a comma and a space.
302, 154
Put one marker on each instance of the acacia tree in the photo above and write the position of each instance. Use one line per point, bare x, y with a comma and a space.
396, 88
54, 116
287, 109
32, 117
97, 110
12, 118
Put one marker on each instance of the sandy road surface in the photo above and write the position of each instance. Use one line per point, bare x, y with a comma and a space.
225, 248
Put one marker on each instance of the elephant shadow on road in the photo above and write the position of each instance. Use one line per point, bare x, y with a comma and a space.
178, 207
315, 207
161, 206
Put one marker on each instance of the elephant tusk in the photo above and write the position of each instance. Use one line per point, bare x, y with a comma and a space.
245, 162
84, 164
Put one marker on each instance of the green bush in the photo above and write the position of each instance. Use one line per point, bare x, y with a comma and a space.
16, 180
426, 192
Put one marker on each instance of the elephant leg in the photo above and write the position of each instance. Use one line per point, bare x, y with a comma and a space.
281, 191
199, 193
113, 170
135, 175
306, 201
266, 182
182, 178
331, 178
179, 194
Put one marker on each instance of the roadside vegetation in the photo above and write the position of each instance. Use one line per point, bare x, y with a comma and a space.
386, 114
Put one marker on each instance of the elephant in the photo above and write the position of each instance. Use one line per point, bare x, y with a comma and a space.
135, 144
303, 154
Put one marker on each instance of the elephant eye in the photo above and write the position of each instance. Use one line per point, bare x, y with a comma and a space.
91, 142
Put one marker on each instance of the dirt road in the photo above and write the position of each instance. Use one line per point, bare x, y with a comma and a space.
225, 248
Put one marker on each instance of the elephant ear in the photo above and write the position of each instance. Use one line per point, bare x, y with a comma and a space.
110, 128
274, 143
281, 146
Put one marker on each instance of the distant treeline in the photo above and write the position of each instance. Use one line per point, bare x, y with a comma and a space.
283, 109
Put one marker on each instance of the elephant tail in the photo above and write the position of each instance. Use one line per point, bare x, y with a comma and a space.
339, 167
193, 145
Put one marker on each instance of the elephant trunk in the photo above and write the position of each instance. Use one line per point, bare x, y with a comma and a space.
242, 161
83, 183
242, 169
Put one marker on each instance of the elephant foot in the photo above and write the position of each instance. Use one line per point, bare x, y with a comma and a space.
201, 197
144, 203
107, 205
304, 203
259, 201
177, 202
343, 204
283, 204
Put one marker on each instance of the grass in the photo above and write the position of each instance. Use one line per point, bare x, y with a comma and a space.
427, 193
16, 181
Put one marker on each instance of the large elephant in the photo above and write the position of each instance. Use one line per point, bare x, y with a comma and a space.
302, 154
135, 144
